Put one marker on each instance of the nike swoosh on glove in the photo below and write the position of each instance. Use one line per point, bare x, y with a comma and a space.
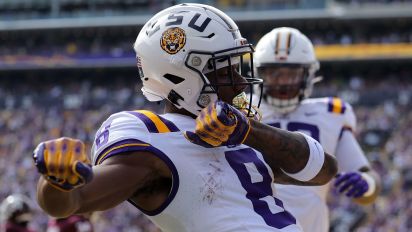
219, 124
63, 163
352, 183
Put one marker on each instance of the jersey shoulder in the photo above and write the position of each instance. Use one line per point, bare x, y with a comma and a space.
332, 106
128, 131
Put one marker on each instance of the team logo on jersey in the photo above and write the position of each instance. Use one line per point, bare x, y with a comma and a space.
173, 39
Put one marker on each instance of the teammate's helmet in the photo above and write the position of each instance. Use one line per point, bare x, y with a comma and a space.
286, 60
16, 209
180, 44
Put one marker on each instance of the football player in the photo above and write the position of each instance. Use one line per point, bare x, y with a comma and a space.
15, 214
201, 166
286, 61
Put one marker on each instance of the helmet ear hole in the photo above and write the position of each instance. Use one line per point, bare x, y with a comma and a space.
173, 78
174, 97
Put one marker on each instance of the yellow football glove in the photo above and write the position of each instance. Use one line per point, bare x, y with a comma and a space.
63, 163
219, 124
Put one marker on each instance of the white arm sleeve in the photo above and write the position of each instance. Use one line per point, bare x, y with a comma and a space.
349, 153
315, 161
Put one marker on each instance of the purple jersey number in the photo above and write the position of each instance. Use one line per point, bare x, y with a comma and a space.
300, 126
103, 137
259, 192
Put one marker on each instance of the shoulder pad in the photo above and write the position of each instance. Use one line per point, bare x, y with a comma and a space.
128, 131
336, 105
340, 107
153, 122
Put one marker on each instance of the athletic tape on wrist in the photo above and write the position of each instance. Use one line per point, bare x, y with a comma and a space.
371, 184
315, 161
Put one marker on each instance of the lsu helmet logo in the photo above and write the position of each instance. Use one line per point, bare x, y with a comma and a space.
173, 39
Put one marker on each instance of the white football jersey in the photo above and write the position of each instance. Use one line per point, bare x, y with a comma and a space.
214, 189
328, 120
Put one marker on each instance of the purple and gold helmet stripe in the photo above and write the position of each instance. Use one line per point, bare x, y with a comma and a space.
288, 43
336, 105
277, 43
153, 122
121, 147
282, 45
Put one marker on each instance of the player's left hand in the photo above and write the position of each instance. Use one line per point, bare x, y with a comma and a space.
352, 183
63, 162
219, 124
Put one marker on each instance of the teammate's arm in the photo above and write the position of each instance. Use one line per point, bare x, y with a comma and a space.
356, 179
288, 152
111, 183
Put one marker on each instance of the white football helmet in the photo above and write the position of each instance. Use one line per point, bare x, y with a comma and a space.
286, 47
180, 44
15, 208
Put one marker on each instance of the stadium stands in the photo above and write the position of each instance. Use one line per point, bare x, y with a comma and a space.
65, 81
56, 105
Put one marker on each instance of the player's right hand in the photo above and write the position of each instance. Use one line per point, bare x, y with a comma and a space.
219, 124
63, 162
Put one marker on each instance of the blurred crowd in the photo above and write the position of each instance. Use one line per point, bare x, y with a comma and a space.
46, 105
33, 9
36, 109
357, 2
40, 107
44, 9
384, 130
117, 42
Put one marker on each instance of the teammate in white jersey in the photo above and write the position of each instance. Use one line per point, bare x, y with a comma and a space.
286, 61
213, 172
